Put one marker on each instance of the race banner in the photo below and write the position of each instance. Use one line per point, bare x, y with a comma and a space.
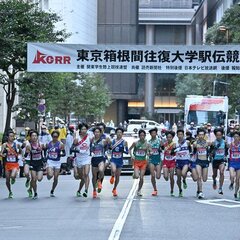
210, 59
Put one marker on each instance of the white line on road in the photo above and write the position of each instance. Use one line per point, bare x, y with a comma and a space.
220, 203
118, 226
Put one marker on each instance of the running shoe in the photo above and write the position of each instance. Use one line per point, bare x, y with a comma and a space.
200, 195
112, 180
139, 194
184, 184
52, 194
94, 194
29, 193
172, 194
231, 187
180, 194
78, 194
13, 181
114, 192
154, 193
10, 195
35, 196
99, 186
214, 184
27, 184
220, 191
85, 194
236, 198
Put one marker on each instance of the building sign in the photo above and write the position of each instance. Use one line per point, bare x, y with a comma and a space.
45, 57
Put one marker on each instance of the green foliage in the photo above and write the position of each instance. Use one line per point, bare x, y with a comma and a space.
84, 94
202, 84
231, 20
193, 84
22, 22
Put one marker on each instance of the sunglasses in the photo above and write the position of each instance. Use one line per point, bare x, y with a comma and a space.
55, 136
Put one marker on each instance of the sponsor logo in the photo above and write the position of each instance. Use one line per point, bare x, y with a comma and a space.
47, 59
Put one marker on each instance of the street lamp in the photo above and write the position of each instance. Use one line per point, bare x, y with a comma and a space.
220, 82
225, 29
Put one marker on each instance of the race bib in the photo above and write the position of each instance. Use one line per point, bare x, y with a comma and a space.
220, 152
53, 155
182, 155
202, 152
117, 155
236, 155
97, 153
36, 156
11, 158
140, 153
155, 151
169, 157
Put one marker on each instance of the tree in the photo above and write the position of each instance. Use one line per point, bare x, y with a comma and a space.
94, 96
84, 94
21, 22
201, 84
49, 85
193, 84
231, 22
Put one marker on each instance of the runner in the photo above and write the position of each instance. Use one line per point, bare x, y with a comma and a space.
234, 164
26, 162
218, 152
104, 136
34, 148
10, 152
183, 149
98, 160
200, 148
55, 150
20, 141
141, 150
169, 160
81, 147
155, 162
118, 147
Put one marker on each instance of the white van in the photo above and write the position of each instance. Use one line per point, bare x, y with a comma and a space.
135, 124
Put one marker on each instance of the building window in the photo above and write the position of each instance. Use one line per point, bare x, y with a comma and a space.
219, 13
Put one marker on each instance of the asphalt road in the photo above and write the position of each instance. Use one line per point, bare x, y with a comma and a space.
162, 217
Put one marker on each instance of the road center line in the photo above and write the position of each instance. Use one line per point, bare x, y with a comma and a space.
118, 226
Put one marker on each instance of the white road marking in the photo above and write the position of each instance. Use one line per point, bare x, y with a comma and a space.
9, 227
219, 202
118, 226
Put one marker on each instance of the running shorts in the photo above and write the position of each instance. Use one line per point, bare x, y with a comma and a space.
169, 164
155, 163
117, 162
54, 164
36, 165
11, 166
97, 160
217, 163
79, 163
192, 165
234, 165
140, 164
202, 163
181, 163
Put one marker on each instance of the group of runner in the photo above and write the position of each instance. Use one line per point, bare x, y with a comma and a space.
161, 154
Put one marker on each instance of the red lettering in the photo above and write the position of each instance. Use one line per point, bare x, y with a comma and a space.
66, 60
58, 59
50, 59
45, 59
39, 58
